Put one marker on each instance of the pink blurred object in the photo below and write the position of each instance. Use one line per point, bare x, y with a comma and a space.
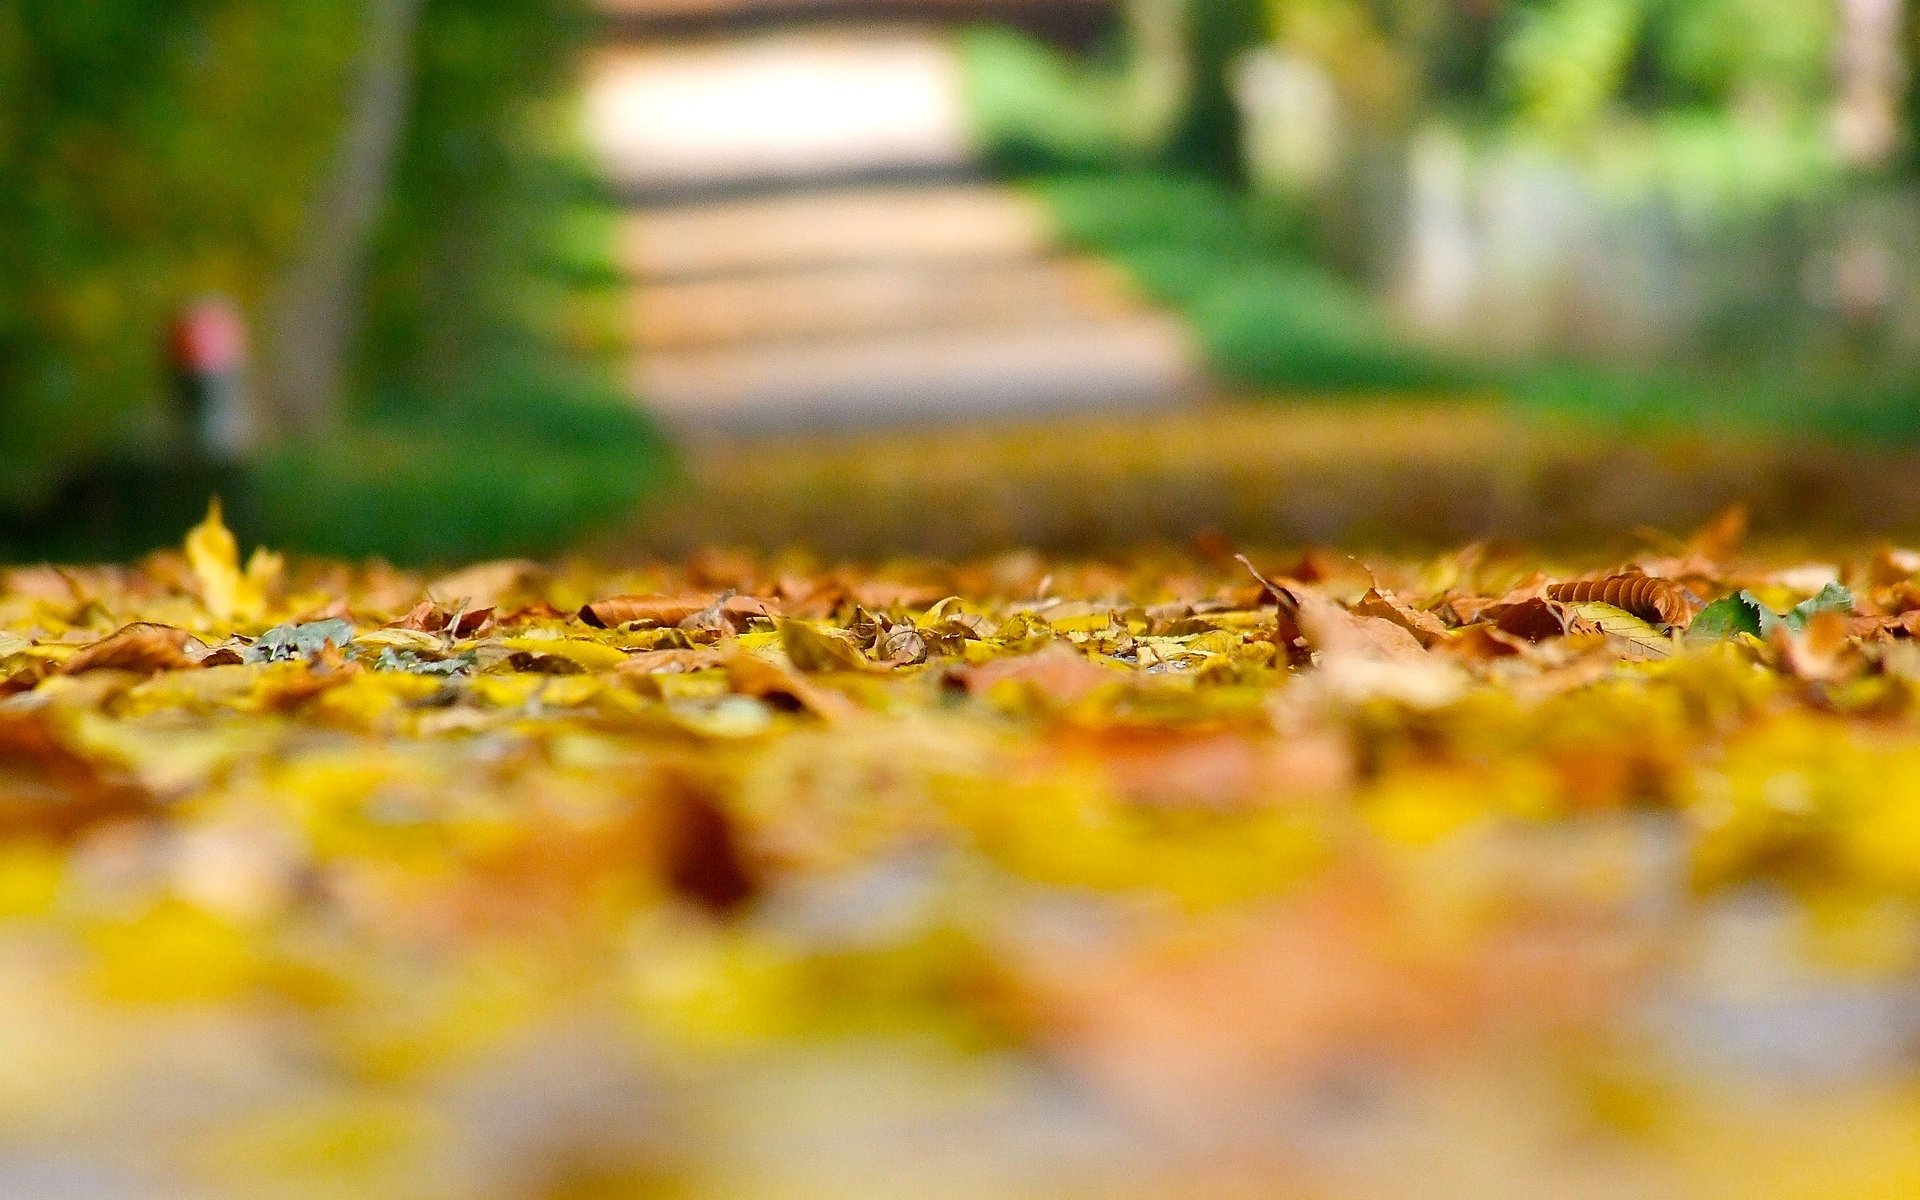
208, 348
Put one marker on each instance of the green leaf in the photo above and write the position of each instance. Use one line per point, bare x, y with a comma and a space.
284, 643
1742, 612
1730, 616
1833, 598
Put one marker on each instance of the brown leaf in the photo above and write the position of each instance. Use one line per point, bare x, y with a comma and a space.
1332, 630
1057, 673
1286, 625
48, 789
703, 858
489, 584
1892, 565
1720, 538
539, 610
1658, 601
893, 594
1536, 620
1485, 643
1212, 770
1424, 626
1187, 1022
142, 648
1823, 652
770, 683
655, 611
668, 662
430, 617
902, 646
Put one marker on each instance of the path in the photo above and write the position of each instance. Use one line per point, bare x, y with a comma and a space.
1266, 475
811, 242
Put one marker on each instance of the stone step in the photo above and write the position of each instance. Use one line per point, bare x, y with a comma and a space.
779, 109
1138, 362
930, 224
841, 301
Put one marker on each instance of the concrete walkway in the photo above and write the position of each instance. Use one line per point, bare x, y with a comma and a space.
811, 245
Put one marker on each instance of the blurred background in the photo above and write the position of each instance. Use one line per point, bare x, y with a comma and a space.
445, 278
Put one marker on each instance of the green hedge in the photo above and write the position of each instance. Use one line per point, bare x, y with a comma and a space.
1268, 318
151, 150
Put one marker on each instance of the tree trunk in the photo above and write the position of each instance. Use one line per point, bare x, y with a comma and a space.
312, 318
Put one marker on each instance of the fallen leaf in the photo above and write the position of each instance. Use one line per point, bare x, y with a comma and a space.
47, 789
142, 648
214, 557
1055, 673
815, 651
431, 617
1651, 599
489, 584
655, 611
1424, 626
769, 682
1535, 620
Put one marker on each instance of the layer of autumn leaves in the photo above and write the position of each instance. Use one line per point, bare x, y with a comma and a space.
1199, 833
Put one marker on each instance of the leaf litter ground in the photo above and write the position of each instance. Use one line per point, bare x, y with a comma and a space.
1185, 875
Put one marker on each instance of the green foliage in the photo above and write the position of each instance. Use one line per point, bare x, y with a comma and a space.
1218, 33
424, 491
1035, 109
1728, 50
481, 195
1743, 612
149, 150
1729, 617
299, 642
1730, 397
1266, 316
1148, 98
1565, 62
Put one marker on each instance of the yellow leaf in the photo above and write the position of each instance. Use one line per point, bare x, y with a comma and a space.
583, 653
1622, 624
214, 556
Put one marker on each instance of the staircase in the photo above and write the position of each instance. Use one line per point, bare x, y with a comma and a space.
811, 240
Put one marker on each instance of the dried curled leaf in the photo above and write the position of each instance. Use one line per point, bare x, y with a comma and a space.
656, 611
1536, 620
1428, 628
430, 617
143, 648
1655, 600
